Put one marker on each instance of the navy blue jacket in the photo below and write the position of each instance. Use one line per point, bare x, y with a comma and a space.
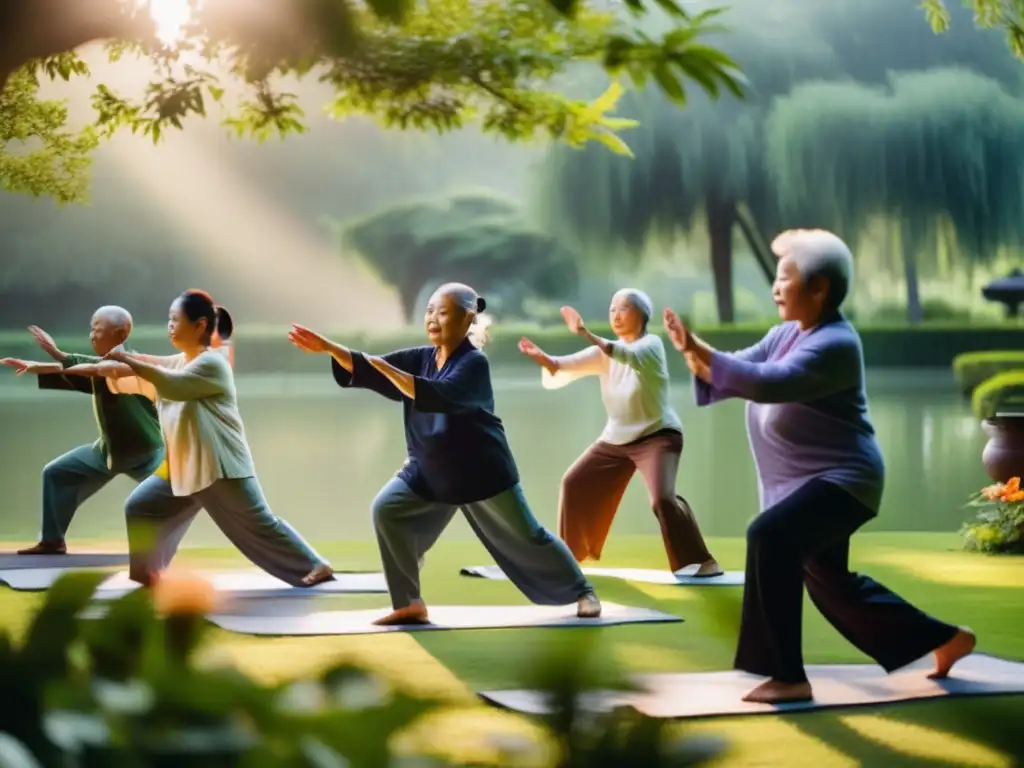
458, 452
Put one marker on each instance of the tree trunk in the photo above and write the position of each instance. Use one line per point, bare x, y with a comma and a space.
758, 243
910, 241
721, 216
408, 294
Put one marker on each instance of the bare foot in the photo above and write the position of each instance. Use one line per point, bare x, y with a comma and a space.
318, 575
588, 606
707, 569
776, 692
411, 614
55, 547
947, 655
147, 580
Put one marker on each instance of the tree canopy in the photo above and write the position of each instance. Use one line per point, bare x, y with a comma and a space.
942, 145
709, 166
472, 238
429, 64
1007, 15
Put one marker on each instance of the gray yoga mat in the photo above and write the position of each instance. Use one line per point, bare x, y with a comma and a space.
11, 561
441, 617
707, 694
239, 584
647, 575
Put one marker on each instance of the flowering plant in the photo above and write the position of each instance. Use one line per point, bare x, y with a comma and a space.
998, 525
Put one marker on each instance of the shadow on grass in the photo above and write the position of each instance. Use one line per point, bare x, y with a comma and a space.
981, 731
705, 639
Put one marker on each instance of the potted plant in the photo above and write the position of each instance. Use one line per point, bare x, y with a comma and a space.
998, 526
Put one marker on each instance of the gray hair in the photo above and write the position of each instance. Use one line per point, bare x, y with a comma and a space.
119, 317
641, 302
819, 253
469, 301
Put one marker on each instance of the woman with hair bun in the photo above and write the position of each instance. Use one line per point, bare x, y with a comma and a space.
458, 458
209, 464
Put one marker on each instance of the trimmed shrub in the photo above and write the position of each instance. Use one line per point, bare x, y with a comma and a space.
972, 368
1004, 391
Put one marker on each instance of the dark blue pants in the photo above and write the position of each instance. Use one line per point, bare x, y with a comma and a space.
805, 540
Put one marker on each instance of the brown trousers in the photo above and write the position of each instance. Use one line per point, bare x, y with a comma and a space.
593, 487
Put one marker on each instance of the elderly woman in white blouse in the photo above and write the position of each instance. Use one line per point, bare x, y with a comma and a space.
643, 432
208, 464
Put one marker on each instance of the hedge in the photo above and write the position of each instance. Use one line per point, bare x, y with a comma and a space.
1002, 392
972, 368
262, 349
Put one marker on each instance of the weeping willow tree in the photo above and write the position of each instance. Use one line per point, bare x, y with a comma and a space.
706, 166
932, 153
698, 167
473, 238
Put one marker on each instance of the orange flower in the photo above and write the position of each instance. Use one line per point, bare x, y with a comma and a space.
1012, 485
184, 594
993, 492
1014, 497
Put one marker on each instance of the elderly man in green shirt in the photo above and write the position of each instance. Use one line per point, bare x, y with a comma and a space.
130, 440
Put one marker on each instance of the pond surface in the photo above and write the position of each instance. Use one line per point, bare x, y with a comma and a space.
322, 454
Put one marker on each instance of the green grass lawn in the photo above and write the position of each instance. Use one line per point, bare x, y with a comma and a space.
983, 592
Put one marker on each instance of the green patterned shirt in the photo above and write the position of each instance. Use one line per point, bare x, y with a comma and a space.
128, 424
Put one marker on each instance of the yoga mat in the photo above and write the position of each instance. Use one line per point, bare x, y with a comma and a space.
10, 561
241, 584
707, 694
441, 616
648, 575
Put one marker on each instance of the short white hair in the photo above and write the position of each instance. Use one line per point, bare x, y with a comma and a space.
641, 302
819, 253
119, 317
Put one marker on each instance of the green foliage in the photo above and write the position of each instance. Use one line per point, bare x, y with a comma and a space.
972, 368
121, 684
471, 238
430, 65
998, 524
702, 167
38, 154
1007, 15
1000, 392
943, 144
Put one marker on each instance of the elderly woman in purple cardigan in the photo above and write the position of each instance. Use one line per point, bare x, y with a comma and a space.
820, 475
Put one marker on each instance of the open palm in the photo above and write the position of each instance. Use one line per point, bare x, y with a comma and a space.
19, 366
44, 340
308, 340
529, 349
573, 319
677, 331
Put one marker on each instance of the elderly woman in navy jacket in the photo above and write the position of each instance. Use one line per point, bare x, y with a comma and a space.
458, 458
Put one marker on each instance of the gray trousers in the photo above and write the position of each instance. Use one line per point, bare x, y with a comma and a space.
72, 478
536, 561
158, 520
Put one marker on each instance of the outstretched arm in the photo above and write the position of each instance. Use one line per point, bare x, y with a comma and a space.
107, 369
21, 367
351, 368
402, 381
819, 368
206, 376
558, 371
466, 387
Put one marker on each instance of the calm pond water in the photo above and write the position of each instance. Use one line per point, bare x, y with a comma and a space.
323, 453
